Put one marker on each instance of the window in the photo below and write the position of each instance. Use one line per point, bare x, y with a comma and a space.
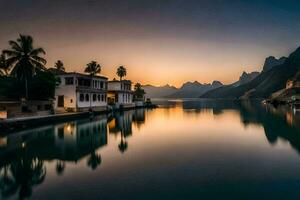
81, 97
71, 100
60, 101
123, 97
101, 84
94, 97
87, 97
99, 98
84, 82
102, 97
69, 80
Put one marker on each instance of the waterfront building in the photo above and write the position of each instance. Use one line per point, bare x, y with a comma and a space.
80, 92
120, 94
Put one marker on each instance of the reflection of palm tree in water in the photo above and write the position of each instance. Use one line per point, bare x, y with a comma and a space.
60, 167
123, 144
24, 173
94, 159
5, 180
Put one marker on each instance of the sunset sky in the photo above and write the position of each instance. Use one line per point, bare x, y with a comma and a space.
158, 41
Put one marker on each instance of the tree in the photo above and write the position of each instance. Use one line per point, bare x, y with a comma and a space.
4, 67
59, 65
93, 68
24, 59
139, 92
121, 72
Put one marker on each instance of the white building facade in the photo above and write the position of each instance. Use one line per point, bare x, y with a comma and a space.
120, 94
80, 92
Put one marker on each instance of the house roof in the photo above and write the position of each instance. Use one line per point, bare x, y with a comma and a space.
83, 75
115, 81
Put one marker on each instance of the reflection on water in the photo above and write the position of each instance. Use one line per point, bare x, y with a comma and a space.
27, 156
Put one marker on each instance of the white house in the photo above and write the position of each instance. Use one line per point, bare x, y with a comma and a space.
80, 92
120, 94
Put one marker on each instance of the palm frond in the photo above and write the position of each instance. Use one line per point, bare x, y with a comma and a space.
38, 65
12, 61
11, 53
39, 59
37, 51
14, 45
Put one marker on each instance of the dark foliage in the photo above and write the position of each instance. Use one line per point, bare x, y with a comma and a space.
40, 87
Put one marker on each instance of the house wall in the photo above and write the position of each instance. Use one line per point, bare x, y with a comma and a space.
114, 85
91, 102
69, 93
124, 97
72, 94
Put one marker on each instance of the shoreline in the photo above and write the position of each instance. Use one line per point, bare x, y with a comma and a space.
15, 124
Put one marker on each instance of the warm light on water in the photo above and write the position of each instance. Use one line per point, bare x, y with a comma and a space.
182, 150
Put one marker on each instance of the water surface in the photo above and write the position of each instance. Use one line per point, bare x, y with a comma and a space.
182, 150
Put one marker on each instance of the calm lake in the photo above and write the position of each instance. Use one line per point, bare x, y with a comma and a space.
183, 150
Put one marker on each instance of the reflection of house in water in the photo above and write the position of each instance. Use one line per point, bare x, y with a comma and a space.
75, 140
121, 123
139, 117
69, 141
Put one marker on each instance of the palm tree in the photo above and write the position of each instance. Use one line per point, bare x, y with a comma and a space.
59, 65
93, 68
4, 67
139, 92
24, 59
121, 72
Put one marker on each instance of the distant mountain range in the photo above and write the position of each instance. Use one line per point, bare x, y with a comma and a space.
245, 78
273, 77
159, 92
187, 90
271, 62
275, 72
193, 89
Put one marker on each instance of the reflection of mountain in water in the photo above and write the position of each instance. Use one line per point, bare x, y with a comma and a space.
22, 155
278, 123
